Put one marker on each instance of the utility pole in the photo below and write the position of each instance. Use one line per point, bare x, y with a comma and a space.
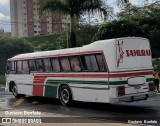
68, 30
67, 38
89, 16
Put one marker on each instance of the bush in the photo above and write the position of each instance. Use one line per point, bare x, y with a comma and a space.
117, 29
84, 36
10, 47
2, 80
156, 63
48, 42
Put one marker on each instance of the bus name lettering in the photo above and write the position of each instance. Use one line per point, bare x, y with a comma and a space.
138, 53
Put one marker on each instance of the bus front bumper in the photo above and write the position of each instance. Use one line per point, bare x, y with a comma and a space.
133, 97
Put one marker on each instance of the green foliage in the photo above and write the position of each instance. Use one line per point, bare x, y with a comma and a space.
135, 21
85, 34
49, 42
154, 37
116, 29
156, 63
75, 9
10, 47
139, 12
2, 80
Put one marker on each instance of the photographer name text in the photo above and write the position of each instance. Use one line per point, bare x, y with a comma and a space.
142, 121
28, 113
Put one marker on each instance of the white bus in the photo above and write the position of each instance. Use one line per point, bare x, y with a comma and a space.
107, 71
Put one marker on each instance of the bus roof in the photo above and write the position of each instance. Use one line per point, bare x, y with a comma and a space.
73, 51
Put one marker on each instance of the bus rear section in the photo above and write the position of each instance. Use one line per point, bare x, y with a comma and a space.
130, 79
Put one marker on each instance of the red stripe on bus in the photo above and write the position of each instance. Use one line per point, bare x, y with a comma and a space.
40, 78
38, 90
40, 81
43, 76
130, 74
74, 76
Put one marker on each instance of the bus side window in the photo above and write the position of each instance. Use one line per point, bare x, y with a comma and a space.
55, 65
65, 64
32, 65
47, 65
75, 64
93, 62
100, 61
39, 65
83, 63
89, 63
19, 67
8, 67
11, 67
25, 69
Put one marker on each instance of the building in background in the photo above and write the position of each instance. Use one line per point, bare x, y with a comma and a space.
2, 32
25, 20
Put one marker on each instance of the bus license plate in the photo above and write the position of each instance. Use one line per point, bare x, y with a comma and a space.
137, 87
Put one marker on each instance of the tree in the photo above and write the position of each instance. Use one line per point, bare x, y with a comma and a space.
85, 34
140, 12
48, 42
148, 18
116, 29
10, 47
74, 8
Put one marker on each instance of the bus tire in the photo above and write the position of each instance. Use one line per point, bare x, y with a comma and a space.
65, 95
15, 91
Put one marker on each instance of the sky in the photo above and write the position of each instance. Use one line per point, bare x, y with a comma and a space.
5, 11
5, 15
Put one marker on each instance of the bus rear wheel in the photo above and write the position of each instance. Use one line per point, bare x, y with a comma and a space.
65, 95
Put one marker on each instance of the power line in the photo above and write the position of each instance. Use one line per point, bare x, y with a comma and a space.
30, 23
33, 22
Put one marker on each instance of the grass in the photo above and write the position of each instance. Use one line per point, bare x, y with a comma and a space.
2, 80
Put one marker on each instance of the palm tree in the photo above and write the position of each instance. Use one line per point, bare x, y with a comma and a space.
74, 8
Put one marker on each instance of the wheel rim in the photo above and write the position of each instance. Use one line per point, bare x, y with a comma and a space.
14, 91
65, 96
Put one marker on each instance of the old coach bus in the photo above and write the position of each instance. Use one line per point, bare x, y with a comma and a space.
106, 71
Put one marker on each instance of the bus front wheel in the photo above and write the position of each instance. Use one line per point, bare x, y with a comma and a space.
65, 95
15, 91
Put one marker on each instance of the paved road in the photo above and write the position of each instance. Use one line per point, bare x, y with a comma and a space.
123, 112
